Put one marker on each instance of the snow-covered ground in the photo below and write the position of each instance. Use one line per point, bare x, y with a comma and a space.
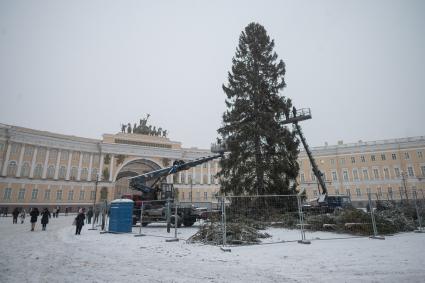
57, 255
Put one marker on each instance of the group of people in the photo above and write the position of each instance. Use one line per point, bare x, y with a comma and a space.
21, 214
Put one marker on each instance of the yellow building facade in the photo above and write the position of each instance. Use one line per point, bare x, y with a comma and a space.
39, 168
387, 169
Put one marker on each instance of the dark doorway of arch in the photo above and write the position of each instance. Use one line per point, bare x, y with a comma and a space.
132, 169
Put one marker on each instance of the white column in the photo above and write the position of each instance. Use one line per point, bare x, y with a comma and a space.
58, 160
111, 167
202, 174
21, 156
101, 166
90, 167
34, 157
179, 178
79, 166
216, 171
209, 172
68, 169
6, 161
46, 160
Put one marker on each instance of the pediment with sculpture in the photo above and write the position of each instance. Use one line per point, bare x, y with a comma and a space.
143, 128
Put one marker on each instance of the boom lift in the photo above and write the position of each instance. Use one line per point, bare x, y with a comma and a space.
159, 199
324, 200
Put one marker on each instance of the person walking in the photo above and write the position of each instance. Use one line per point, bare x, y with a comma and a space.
45, 215
79, 222
96, 215
34, 216
22, 216
54, 212
89, 215
15, 214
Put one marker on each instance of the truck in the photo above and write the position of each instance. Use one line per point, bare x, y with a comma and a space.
157, 202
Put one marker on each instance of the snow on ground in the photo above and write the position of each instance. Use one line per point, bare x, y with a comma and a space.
57, 255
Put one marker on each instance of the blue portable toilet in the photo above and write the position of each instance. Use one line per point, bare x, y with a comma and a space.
121, 215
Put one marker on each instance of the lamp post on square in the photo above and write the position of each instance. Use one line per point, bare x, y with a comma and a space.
94, 201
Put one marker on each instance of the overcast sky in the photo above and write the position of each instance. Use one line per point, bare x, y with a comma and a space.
84, 67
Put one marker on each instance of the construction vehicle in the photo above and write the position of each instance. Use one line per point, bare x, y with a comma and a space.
325, 202
157, 199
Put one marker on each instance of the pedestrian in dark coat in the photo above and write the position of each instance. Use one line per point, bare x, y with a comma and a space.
89, 215
79, 222
34, 215
15, 214
45, 215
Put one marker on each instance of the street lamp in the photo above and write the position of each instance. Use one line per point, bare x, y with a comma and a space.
94, 201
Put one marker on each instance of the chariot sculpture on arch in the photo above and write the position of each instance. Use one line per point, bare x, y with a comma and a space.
143, 128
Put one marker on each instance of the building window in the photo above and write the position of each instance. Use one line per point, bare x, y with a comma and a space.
21, 194
28, 151
59, 195
47, 195
62, 172
394, 156
64, 155
397, 172
15, 148
84, 174
190, 196
86, 157
7, 193
353, 159
355, 174
25, 171
390, 192
75, 156
11, 169
198, 196
74, 173
406, 155
70, 195
358, 192
337, 192
383, 157
302, 178
53, 154
373, 158
379, 191
348, 192
34, 194
41, 152
50, 172
386, 173
345, 174
313, 177
342, 161
362, 158
205, 195
182, 196
205, 179
38, 171
420, 154
423, 171
365, 174
334, 176
332, 161
376, 173
82, 195
369, 191
92, 195
1, 146
410, 171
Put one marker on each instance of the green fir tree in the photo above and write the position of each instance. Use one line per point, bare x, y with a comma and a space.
263, 152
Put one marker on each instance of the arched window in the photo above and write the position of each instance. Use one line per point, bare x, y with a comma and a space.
84, 174
62, 172
11, 169
50, 172
38, 171
74, 173
25, 170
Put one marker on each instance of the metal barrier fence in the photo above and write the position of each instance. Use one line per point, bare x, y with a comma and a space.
284, 218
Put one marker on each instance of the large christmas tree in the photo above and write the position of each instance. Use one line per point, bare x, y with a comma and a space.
263, 152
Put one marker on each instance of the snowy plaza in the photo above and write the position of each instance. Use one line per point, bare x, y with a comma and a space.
57, 255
